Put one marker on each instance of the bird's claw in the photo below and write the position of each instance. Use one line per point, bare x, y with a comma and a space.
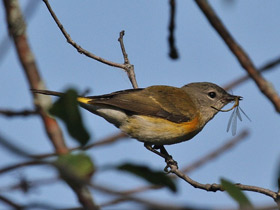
170, 163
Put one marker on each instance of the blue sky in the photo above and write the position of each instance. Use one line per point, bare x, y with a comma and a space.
95, 25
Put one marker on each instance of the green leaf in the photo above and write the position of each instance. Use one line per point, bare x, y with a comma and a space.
66, 108
236, 194
75, 166
153, 177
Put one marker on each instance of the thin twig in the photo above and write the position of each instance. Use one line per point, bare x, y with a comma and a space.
107, 140
215, 153
126, 66
125, 56
19, 165
29, 184
244, 60
128, 197
173, 53
22, 113
129, 68
266, 67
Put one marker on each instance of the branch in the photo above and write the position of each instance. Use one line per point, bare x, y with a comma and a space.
102, 142
173, 53
129, 68
23, 113
215, 153
10, 203
266, 67
126, 66
26, 185
217, 187
244, 60
19, 165
17, 29
5, 43
122, 197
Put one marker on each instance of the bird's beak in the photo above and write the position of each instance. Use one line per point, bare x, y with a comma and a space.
230, 98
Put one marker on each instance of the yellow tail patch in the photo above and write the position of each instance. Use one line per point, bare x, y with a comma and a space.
83, 100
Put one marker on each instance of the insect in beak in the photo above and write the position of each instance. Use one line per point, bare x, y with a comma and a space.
236, 104
232, 123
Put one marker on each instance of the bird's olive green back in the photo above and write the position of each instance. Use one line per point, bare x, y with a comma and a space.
166, 102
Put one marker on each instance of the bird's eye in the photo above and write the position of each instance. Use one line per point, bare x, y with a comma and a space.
212, 94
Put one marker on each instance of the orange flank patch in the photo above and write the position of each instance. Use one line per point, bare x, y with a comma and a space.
191, 125
160, 131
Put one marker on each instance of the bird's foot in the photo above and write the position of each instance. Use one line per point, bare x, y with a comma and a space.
170, 162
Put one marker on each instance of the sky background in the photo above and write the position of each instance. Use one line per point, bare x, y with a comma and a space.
95, 25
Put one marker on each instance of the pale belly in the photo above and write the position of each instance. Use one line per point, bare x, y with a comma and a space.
148, 129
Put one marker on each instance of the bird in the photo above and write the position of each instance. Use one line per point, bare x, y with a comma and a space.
158, 115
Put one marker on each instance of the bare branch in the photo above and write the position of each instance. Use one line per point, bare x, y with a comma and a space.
244, 60
129, 68
29, 184
17, 29
128, 197
126, 66
102, 142
23, 113
19, 165
107, 140
217, 187
268, 66
173, 53
215, 153
10, 202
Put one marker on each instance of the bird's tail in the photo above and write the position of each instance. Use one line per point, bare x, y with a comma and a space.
80, 99
47, 92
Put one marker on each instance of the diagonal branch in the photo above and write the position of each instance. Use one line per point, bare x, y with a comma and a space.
215, 153
266, 67
244, 60
10, 202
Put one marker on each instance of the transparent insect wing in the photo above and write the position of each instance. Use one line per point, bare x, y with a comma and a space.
229, 122
245, 114
238, 113
232, 122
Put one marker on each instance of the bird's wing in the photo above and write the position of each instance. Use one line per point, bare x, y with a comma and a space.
165, 102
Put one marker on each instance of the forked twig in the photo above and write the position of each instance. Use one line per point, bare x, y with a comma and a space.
129, 68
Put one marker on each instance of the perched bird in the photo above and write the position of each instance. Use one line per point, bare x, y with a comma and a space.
159, 115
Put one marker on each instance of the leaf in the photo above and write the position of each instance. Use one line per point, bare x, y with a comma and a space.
75, 167
66, 108
236, 194
153, 177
